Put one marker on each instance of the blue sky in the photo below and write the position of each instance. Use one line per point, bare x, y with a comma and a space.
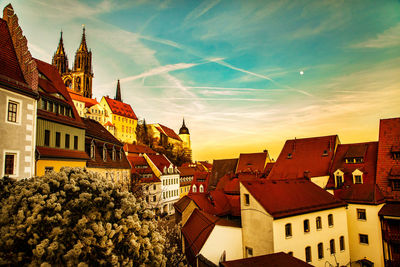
232, 68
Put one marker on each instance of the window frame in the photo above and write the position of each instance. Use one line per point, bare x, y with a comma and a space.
363, 237
361, 214
330, 220
76, 142
308, 255
318, 223
67, 140
249, 252
15, 155
342, 245
332, 248
46, 141
306, 226
246, 199
320, 248
288, 230
15, 119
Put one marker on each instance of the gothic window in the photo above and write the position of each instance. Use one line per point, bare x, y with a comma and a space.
201, 188
194, 188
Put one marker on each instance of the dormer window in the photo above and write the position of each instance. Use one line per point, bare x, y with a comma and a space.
354, 160
289, 156
194, 188
92, 150
357, 177
170, 169
325, 153
338, 179
104, 153
395, 151
201, 188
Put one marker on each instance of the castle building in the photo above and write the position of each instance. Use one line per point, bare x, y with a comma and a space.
185, 137
79, 79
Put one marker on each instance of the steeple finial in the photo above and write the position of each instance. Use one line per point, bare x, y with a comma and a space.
183, 129
60, 48
118, 92
83, 46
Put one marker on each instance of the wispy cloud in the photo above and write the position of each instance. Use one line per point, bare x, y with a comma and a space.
200, 10
389, 38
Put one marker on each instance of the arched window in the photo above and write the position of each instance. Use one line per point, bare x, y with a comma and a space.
320, 251
194, 188
332, 246
201, 188
308, 254
306, 225
341, 243
288, 230
330, 220
318, 223
104, 153
92, 149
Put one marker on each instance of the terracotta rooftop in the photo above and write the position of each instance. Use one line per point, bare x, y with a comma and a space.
220, 168
360, 193
268, 168
307, 156
120, 108
182, 203
389, 143
77, 97
10, 71
49, 87
160, 161
214, 202
48, 152
390, 209
95, 130
138, 149
284, 198
136, 161
168, 132
279, 259
252, 162
186, 171
197, 230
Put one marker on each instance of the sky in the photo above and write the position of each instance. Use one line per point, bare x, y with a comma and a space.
245, 75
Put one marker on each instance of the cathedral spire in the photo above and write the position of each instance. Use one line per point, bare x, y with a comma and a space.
83, 46
184, 129
60, 59
118, 92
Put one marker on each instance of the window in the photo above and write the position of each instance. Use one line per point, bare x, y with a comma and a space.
341, 243
361, 214
58, 139
66, 140
357, 179
289, 156
154, 187
332, 246
290, 253
320, 251
246, 199
154, 198
9, 164
396, 185
113, 153
308, 254
306, 225
339, 181
318, 223
363, 239
288, 230
201, 188
249, 252
75, 142
194, 188
12, 111
104, 153
330, 220
46, 137
92, 150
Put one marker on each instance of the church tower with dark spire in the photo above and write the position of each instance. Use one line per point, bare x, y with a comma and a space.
185, 136
82, 72
118, 93
60, 59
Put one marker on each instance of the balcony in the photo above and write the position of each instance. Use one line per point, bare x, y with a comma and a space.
391, 236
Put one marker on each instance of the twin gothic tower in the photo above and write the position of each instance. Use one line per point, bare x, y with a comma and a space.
79, 79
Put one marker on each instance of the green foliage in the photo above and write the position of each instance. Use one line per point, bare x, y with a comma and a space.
74, 218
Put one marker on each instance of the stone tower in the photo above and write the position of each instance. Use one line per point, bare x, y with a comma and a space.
185, 136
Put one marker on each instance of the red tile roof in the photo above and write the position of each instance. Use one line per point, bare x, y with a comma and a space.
284, 198
310, 156
120, 108
360, 193
182, 203
95, 130
138, 149
390, 209
48, 87
47, 152
220, 168
77, 97
109, 124
197, 230
141, 161
168, 132
389, 141
268, 168
368, 166
214, 202
10, 71
186, 171
279, 259
252, 162
160, 161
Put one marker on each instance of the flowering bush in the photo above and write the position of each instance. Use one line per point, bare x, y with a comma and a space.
75, 218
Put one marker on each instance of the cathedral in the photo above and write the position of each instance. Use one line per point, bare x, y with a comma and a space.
79, 79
